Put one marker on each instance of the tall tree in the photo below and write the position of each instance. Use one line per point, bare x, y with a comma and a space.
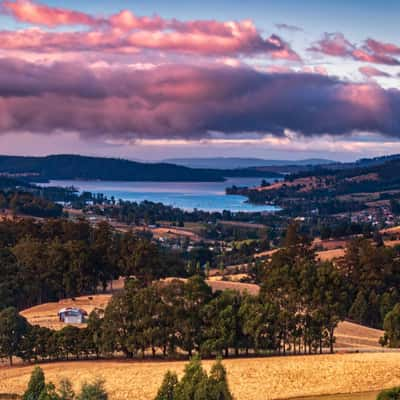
13, 328
36, 385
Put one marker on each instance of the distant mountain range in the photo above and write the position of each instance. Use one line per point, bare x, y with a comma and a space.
98, 168
238, 162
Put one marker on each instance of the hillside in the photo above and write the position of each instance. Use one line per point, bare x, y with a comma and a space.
81, 167
112, 169
239, 162
369, 191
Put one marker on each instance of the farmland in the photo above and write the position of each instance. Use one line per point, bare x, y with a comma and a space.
277, 378
349, 336
352, 396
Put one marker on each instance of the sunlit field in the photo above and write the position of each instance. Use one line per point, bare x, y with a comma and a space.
275, 378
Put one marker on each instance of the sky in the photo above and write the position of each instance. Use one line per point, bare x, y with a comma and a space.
153, 80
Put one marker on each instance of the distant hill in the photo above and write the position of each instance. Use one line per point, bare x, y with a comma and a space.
238, 162
97, 168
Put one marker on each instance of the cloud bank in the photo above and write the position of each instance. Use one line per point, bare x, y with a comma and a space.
178, 101
127, 33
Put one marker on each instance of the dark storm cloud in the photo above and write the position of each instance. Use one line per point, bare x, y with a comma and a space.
175, 101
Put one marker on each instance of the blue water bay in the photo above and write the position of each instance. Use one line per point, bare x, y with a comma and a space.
208, 196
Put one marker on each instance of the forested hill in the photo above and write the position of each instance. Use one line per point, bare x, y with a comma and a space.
383, 171
83, 167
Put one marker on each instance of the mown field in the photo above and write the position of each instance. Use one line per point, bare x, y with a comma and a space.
270, 378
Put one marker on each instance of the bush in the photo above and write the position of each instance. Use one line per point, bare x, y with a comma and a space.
196, 384
390, 394
93, 391
38, 390
391, 326
65, 390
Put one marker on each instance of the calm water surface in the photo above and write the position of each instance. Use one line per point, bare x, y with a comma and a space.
208, 196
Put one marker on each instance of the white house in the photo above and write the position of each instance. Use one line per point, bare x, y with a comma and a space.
72, 315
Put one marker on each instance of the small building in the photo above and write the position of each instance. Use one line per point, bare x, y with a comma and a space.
72, 315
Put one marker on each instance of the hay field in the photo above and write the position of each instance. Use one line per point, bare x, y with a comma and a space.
274, 378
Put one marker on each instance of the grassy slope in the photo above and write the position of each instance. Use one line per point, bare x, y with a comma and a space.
274, 378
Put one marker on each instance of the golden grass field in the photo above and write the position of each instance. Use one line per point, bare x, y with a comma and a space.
249, 379
353, 396
46, 314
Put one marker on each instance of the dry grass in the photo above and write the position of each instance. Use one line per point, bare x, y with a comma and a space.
350, 335
249, 379
174, 232
46, 314
329, 244
392, 243
329, 255
353, 396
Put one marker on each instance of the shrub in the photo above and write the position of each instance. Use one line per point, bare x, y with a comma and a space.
196, 384
390, 394
93, 391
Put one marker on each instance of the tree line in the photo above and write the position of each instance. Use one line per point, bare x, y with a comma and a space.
174, 318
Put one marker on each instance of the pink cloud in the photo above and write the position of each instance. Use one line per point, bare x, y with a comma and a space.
278, 69
35, 13
376, 58
126, 20
370, 72
335, 44
125, 33
386, 48
112, 41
